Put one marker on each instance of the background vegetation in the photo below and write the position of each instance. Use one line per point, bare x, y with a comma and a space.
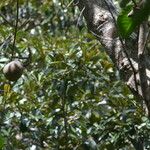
70, 95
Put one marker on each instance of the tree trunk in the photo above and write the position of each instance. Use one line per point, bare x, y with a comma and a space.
133, 65
129, 56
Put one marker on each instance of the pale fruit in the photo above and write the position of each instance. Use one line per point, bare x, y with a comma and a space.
13, 70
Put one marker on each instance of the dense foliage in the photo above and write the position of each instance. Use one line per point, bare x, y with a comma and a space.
70, 95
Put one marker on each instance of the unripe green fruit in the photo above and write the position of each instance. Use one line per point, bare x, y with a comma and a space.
13, 70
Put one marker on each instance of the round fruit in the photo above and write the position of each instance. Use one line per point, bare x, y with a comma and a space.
13, 70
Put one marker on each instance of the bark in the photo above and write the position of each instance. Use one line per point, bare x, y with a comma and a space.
129, 56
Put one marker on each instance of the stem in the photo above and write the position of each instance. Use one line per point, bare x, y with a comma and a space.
65, 122
134, 2
64, 109
16, 28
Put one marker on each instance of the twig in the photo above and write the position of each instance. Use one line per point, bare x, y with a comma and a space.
80, 16
76, 2
24, 24
16, 28
70, 3
134, 2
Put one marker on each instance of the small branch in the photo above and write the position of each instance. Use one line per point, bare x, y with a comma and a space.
24, 24
134, 2
16, 28
76, 2
79, 18
70, 3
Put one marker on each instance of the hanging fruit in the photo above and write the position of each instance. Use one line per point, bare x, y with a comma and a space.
13, 70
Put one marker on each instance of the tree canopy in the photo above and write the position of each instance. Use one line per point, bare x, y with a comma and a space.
70, 95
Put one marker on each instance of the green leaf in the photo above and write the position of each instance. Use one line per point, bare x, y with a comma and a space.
125, 25
140, 14
2, 141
